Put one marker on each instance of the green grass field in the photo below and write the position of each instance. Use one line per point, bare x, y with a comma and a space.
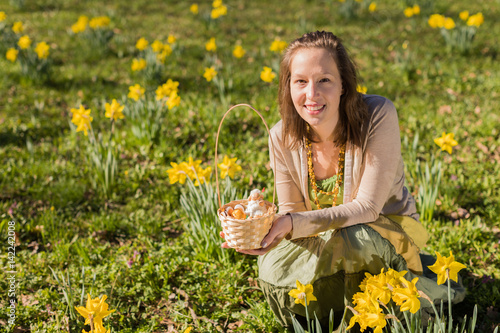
138, 241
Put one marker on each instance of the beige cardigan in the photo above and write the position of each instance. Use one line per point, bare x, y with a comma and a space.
373, 177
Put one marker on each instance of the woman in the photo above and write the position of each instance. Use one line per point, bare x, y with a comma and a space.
344, 209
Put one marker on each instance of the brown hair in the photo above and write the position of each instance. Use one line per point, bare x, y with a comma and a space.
352, 108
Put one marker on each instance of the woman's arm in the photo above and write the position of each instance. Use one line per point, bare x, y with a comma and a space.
290, 198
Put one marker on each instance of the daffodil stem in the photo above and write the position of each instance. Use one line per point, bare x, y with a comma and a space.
307, 315
450, 318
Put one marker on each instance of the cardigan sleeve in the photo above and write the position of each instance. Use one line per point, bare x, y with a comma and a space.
290, 198
382, 156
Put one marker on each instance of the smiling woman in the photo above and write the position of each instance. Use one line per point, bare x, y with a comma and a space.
344, 208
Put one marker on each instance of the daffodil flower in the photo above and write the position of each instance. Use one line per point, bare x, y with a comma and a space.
446, 268
407, 296
178, 172
135, 92
114, 110
94, 312
229, 167
303, 293
267, 74
446, 142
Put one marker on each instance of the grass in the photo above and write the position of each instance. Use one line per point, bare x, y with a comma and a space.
133, 245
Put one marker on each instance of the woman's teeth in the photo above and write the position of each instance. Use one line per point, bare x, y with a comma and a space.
314, 108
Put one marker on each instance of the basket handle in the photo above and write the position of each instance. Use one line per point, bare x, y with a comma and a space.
217, 144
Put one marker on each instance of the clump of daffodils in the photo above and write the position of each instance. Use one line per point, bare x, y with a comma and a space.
146, 115
218, 10
376, 293
102, 153
96, 30
459, 34
191, 169
33, 57
151, 57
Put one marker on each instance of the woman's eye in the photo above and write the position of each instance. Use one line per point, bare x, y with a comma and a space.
325, 80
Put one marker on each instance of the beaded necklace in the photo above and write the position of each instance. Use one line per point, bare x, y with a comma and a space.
312, 176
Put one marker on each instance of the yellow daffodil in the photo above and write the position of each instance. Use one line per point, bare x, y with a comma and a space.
446, 268
194, 8
216, 3
2, 16
406, 297
188, 330
18, 27
99, 22
138, 64
85, 124
449, 23
416, 9
436, 21
210, 73
361, 89
167, 49
394, 277
173, 100
278, 46
77, 113
408, 11
135, 92
12, 54
95, 311
166, 89
211, 46
267, 74
171, 39
238, 51
42, 50
24, 42
165, 52
363, 300
464, 15
218, 12
157, 46
193, 167
82, 119
303, 293
378, 288
372, 317
114, 110
203, 175
372, 7
446, 142
228, 167
141, 44
178, 173
476, 20
80, 25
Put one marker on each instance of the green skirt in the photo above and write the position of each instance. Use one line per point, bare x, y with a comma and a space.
335, 263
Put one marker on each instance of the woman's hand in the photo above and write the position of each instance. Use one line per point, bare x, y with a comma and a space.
281, 227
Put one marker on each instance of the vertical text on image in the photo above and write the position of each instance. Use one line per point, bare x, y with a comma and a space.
11, 272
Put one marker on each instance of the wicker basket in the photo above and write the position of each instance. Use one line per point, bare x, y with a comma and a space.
244, 234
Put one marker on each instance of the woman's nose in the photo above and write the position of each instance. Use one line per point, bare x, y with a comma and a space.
311, 90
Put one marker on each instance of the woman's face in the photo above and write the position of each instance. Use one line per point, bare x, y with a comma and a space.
316, 87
